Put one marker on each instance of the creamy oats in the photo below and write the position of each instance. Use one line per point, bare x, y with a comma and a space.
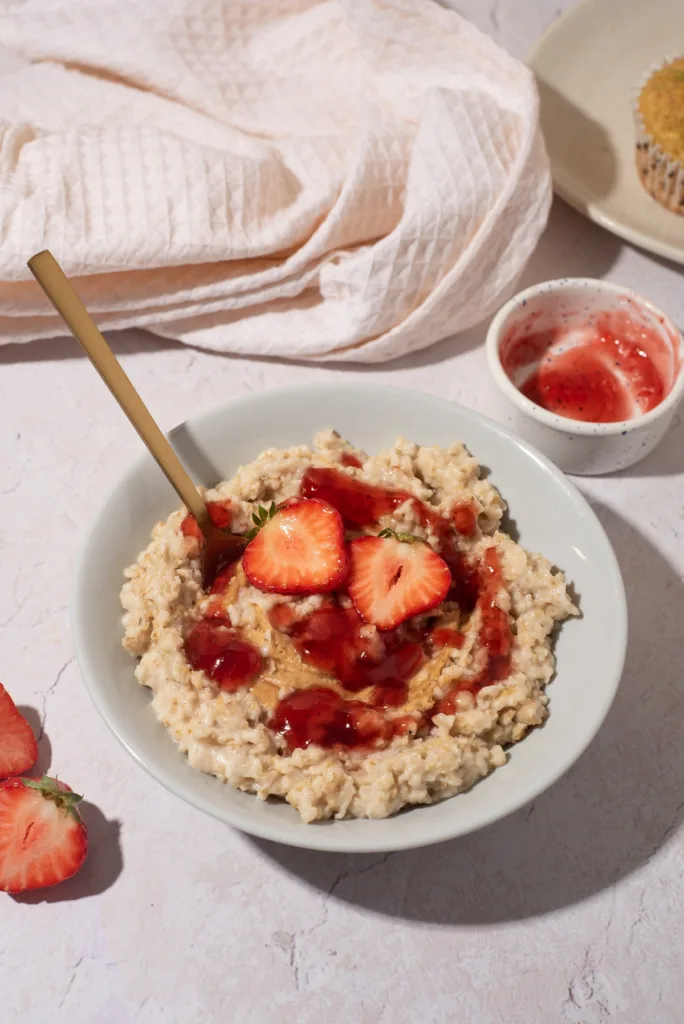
462, 707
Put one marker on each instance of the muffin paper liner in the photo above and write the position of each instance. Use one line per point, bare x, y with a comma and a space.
660, 174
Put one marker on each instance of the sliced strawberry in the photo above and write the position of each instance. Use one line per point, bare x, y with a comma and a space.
42, 838
300, 550
18, 748
392, 579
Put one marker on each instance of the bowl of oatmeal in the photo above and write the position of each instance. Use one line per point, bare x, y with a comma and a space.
425, 629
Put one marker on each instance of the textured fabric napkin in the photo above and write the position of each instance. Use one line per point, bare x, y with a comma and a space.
348, 179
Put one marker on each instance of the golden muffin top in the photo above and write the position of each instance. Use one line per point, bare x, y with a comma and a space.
661, 105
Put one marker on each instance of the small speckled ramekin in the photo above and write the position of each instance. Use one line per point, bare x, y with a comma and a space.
585, 449
660, 174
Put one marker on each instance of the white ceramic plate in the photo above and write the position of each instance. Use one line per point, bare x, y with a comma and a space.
549, 512
588, 65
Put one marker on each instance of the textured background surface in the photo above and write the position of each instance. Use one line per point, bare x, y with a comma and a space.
569, 911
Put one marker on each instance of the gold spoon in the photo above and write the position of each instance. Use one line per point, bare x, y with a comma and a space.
221, 546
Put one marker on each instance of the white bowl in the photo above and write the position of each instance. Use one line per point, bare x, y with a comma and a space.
587, 449
550, 514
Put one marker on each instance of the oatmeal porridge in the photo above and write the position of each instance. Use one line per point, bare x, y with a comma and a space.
381, 642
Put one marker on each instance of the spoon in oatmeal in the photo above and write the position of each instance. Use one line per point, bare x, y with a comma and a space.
221, 546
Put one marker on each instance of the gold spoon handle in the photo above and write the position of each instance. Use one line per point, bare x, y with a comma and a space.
63, 297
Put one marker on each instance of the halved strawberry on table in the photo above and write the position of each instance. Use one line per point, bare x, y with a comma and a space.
42, 838
395, 576
298, 549
18, 748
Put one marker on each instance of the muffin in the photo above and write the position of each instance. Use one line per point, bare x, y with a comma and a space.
659, 117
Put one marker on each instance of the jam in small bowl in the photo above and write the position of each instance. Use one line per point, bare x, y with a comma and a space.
587, 371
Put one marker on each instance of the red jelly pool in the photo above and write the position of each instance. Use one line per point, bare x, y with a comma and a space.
589, 364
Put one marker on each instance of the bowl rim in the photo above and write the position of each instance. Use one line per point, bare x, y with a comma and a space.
562, 424
323, 837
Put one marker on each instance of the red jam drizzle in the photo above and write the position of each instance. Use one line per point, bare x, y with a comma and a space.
281, 617
464, 518
444, 636
189, 528
465, 577
322, 716
221, 514
610, 369
362, 504
494, 636
223, 577
350, 460
214, 648
214, 608
495, 629
358, 503
331, 639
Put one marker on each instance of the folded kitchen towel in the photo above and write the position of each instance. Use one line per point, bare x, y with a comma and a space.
309, 179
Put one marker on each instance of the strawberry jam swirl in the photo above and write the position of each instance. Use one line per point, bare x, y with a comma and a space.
335, 639
213, 646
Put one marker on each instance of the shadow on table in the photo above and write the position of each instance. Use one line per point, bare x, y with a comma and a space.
42, 765
580, 148
102, 866
122, 343
667, 459
603, 820
571, 246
